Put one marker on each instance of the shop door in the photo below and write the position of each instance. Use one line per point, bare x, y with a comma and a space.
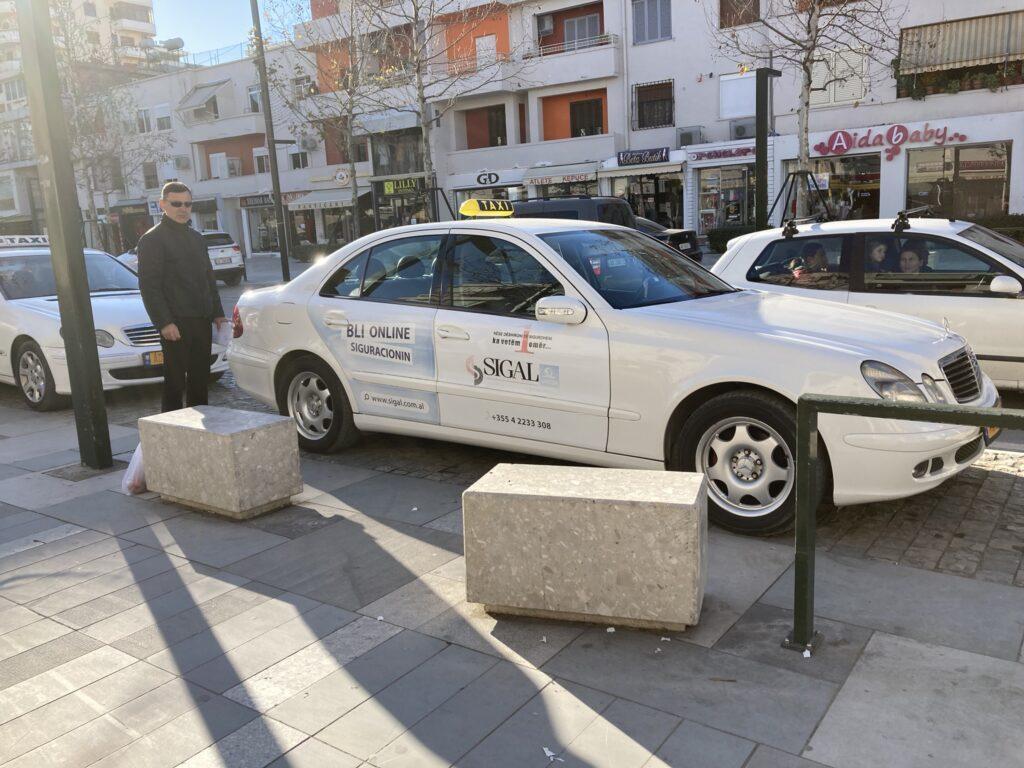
500, 370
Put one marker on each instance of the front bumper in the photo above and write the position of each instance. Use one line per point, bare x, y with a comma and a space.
122, 366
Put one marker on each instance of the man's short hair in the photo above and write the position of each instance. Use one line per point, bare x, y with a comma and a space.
173, 188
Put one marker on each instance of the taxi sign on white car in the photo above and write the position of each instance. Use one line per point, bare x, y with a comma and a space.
594, 343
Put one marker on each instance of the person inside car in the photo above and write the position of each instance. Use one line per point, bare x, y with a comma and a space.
914, 258
812, 260
879, 259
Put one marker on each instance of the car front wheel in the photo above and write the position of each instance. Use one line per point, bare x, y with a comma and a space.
311, 394
35, 380
744, 442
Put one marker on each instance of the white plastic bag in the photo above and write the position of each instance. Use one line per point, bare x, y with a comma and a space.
222, 334
134, 480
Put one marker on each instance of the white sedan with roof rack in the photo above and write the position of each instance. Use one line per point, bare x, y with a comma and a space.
31, 348
594, 343
954, 273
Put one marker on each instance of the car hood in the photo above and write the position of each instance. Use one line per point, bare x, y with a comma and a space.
868, 333
110, 312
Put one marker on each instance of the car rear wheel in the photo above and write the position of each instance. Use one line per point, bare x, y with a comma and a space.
744, 442
35, 380
233, 280
311, 394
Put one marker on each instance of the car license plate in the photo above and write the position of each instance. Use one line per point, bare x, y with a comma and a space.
153, 358
991, 433
223, 260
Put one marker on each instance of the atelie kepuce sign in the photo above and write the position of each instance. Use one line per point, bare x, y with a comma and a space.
890, 138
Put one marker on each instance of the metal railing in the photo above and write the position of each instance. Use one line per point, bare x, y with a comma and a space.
568, 46
803, 636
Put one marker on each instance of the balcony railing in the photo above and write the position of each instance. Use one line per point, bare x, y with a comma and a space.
569, 46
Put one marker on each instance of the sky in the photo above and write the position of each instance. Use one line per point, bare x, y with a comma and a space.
203, 24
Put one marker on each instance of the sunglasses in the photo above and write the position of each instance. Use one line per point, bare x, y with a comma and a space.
178, 204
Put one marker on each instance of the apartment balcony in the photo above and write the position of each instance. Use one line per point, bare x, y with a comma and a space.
232, 186
594, 58
8, 7
146, 28
10, 67
559, 152
224, 127
10, 37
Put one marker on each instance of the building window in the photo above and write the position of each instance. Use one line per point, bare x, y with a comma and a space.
733, 13
299, 160
397, 152
150, 177
127, 42
652, 20
971, 182
14, 90
162, 112
302, 87
129, 11
254, 98
653, 105
485, 127
142, 121
726, 197
92, 37
582, 31
262, 161
586, 118
89, 9
838, 78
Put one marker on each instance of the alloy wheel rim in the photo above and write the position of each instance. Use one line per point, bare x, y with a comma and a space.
749, 467
310, 405
32, 376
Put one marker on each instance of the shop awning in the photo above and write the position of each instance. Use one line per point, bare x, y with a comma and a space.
561, 174
640, 170
962, 43
199, 95
325, 198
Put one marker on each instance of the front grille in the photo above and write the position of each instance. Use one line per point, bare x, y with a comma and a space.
969, 451
142, 335
962, 372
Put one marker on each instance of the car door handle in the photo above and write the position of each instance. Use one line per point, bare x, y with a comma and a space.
451, 332
335, 319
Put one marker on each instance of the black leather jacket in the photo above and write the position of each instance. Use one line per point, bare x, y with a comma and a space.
175, 275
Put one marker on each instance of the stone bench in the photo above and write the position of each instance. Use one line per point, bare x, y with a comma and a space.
611, 546
233, 463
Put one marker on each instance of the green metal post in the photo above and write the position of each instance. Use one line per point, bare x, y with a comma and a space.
64, 220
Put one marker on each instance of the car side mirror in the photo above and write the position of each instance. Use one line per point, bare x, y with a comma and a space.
561, 309
1006, 285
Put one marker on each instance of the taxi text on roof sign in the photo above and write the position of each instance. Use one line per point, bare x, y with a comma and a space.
486, 208
20, 241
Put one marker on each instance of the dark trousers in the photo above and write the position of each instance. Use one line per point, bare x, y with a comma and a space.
187, 364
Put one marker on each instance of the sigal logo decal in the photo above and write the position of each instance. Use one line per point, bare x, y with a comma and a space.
512, 370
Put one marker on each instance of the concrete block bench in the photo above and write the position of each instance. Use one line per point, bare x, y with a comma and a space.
611, 546
233, 463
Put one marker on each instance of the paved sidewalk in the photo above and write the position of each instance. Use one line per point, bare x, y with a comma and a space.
336, 633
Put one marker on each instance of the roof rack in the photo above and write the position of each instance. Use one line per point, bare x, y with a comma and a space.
789, 228
557, 197
902, 221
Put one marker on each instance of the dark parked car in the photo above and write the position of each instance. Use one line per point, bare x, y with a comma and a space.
684, 240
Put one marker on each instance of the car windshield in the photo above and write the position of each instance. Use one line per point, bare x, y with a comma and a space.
29, 276
994, 241
631, 270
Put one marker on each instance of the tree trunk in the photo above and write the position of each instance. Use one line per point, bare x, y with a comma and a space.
107, 234
804, 151
90, 188
428, 158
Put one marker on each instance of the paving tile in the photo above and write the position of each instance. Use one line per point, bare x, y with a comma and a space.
313, 753
462, 722
296, 520
625, 736
516, 638
36, 439
452, 522
251, 658
9, 470
550, 720
454, 569
766, 757
52, 532
205, 540
322, 477
49, 460
693, 745
35, 491
354, 561
908, 703
378, 721
758, 635
418, 601
325, 701
48, 551
757, 701
160, 705
29, 636
78, 748
930, 607
43, 657
231, 633
406, 499
11, 516
15, 617
111, 513
256, 743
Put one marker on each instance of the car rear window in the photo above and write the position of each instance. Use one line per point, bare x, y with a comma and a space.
218, 239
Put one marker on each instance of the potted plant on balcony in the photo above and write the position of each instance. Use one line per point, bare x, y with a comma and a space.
953, 85
991, 81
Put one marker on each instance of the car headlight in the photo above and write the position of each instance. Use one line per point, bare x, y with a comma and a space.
932, 389
890, 384
104, 339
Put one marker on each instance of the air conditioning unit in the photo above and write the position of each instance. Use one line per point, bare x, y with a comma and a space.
692, 135
545, 25
182, 162
308, 143
742, 129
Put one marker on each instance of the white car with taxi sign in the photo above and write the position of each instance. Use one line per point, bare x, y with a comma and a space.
593, 343
32, 353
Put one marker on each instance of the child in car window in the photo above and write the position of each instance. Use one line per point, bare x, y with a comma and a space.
878, 259
914, 258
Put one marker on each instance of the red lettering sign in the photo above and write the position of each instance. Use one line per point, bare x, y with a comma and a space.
890, 139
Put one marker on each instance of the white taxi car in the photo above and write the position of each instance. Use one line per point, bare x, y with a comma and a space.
31, 348
225, 257
594, 343
945, 271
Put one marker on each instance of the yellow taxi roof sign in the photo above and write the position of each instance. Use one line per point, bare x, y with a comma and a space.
474, 208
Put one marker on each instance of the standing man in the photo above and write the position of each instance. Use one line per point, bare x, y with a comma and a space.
180, 294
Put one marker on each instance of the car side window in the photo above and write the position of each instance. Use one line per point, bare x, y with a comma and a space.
915, 264
493, 275
346, 280
402, 270
815, 263
612, 213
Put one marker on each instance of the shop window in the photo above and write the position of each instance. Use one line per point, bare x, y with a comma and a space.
402, 270
150, 177
726, 197
495, 276
815, 263
733, 13
915, 264
346, 280
838, 78
964, 182
850, 184
582, 31
300, 160
586, 117
652, 20
653, 105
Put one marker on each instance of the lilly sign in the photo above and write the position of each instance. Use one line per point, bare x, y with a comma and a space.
890, 139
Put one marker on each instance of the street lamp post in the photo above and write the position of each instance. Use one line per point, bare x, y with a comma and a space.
762, 126
283, 234
64, 219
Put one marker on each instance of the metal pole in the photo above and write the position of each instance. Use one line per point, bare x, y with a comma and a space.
64, 220
763, 125
283, 240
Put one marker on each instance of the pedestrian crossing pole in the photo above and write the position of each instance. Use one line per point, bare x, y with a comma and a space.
64, 226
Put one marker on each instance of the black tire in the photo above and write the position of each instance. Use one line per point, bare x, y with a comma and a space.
36, 384
748, 466
312, 373
216, 376
233, 280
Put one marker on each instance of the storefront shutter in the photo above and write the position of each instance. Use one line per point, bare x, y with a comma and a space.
962, 43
